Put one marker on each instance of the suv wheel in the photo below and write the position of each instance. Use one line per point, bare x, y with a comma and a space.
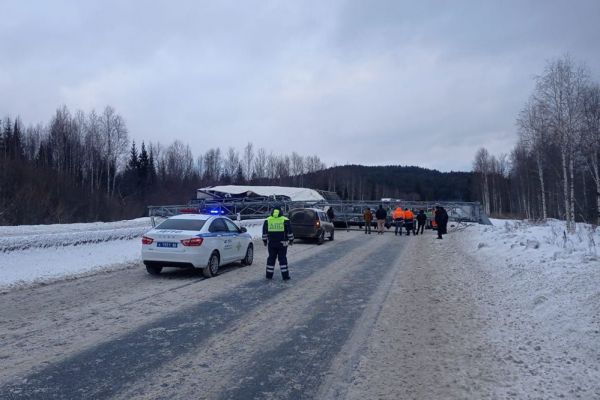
321, 238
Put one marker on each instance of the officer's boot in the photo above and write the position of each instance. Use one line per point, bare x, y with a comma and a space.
270, 270
285, 273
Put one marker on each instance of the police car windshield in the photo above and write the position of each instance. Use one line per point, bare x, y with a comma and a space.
182, 224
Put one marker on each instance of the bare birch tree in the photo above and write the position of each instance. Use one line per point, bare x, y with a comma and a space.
533, 123
248, 159
115, 142
260, 164
591, 139
560, 91
481, 166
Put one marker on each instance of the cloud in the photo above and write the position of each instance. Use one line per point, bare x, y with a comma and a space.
387, 82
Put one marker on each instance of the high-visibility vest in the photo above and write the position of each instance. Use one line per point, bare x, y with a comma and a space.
398, 214
276, 224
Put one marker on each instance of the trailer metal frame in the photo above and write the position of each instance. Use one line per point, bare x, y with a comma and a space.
348, 212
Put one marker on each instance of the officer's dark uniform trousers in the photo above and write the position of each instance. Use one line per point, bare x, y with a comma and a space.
277, 250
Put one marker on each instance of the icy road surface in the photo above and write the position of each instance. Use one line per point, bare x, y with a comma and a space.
364, 317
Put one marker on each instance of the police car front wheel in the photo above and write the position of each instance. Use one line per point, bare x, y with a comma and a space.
249, 255
212, 269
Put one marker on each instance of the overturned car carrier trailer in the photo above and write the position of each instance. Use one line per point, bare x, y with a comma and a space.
347, 213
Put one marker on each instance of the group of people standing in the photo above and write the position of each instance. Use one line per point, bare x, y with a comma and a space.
405, 219
277, 232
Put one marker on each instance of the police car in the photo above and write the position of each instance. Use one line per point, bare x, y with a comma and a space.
196, 241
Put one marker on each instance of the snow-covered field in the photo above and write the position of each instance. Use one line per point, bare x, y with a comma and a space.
40, 253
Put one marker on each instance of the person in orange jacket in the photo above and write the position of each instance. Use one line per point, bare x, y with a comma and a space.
433, 223
398, 218
409, 221
368, 218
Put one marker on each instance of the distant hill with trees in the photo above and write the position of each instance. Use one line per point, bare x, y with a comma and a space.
359, 182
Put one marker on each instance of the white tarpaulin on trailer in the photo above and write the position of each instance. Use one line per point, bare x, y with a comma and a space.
294, 193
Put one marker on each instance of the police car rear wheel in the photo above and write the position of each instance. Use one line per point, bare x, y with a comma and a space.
213, 266
153, 269
249, 255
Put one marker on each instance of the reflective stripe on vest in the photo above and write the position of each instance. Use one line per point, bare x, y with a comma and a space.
276, 224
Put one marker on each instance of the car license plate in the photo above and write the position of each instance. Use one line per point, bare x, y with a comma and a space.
171, 245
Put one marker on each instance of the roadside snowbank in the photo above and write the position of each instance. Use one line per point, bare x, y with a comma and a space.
27, 230
37, 265
31, 254
524, 242
62, 239
254, 227
546, 302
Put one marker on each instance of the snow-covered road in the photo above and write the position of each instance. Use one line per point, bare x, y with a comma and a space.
364, 317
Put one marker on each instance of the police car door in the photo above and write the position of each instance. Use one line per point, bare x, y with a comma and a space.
238, 252
219, 240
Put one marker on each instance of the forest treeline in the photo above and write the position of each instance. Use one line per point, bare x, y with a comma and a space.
553, 171
83, 167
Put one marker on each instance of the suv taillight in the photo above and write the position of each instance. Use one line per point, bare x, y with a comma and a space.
192, 242
147, 240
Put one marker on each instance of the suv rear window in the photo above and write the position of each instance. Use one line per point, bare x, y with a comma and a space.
303, 216
182, 224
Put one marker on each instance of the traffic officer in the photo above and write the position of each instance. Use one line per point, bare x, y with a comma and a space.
277, 235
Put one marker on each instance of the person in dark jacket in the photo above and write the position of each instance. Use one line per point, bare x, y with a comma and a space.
330, 214
421, 220
380, 215
277, 235
409, 221
441, 220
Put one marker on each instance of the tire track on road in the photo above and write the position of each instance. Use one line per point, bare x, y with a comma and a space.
298, 364
103, 370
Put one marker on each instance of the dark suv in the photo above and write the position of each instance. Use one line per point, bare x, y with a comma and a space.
311, 223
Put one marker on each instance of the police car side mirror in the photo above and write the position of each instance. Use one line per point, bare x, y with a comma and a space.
243, 229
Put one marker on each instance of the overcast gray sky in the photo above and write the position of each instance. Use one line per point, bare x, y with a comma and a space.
371, 82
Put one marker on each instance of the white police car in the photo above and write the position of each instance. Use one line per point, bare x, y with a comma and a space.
196, 241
